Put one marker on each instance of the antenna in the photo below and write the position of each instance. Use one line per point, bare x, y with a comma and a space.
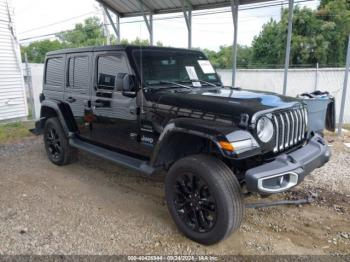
141, 70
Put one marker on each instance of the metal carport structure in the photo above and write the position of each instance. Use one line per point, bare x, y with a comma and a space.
148, 8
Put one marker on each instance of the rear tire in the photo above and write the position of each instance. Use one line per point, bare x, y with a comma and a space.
56, 143
204, 198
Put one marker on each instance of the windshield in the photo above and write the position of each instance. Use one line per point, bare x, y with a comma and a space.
161, 66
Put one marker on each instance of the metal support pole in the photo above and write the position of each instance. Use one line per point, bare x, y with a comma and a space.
105, 15
190, 29
151, 29
316, 77
234, 9
148, 21
116, 28
187, 10
30, 85
345, 86
289, 39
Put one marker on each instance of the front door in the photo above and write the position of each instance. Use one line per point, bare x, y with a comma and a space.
77, 88
114, 120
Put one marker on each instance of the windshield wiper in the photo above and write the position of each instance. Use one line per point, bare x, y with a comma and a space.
201, 81
172, 83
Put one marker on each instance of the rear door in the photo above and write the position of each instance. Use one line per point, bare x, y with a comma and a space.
77, 89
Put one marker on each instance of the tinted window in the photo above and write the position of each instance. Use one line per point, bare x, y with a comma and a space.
78, 72
111, 70
55, 71
81, 72
70, 78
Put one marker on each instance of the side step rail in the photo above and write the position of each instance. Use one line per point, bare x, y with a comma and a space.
124, 160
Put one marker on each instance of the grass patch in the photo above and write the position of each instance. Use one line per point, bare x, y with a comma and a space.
346, 126
14, 131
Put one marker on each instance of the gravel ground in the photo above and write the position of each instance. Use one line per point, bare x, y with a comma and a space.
95, 207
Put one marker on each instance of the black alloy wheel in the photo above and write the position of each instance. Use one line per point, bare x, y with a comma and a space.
56, 143
194, 203
204, 198
53, 143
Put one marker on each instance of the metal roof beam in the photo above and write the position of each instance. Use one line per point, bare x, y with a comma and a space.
115, 28
160, 9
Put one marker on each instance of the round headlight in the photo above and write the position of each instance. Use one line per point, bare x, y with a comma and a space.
265, 129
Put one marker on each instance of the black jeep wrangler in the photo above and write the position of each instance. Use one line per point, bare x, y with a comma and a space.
153, 109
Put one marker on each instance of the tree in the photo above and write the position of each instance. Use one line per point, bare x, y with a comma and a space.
36, 51
335, 15
223, 58
308, 44
139, 42
318, 36
89, 33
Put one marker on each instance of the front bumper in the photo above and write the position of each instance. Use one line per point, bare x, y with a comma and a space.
288, 170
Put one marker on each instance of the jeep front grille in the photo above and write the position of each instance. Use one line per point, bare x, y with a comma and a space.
290, 127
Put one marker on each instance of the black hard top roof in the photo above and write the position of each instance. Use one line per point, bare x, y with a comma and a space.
114, 48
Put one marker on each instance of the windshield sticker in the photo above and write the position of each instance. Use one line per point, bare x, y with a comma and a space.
191, 71
212, 77
196, 84
206, 66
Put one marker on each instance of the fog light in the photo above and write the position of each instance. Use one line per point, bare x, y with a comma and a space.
277, 183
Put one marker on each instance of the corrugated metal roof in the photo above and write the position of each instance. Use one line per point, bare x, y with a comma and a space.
129, 8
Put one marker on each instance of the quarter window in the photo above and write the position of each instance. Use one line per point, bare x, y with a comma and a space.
54, 72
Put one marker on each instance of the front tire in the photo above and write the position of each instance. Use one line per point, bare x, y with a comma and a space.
204, 198
56, 143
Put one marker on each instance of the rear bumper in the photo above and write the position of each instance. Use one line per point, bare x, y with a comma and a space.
288, 170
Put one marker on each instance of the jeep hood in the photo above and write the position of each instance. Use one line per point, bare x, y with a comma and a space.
223, 101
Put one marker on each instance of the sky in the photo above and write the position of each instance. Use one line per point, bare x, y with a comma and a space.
40, 17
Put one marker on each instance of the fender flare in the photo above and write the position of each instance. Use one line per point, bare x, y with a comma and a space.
171, 129
64, 115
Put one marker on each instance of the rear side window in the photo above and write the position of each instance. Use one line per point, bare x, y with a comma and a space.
78, 72
54, 71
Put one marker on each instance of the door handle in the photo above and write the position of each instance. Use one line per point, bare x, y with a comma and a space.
98, 104
71, 100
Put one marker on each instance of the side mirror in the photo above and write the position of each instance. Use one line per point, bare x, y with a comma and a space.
129, 85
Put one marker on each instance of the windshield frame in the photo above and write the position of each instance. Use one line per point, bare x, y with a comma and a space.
134, 52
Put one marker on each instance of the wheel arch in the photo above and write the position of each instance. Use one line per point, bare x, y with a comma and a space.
176, 142
60, 110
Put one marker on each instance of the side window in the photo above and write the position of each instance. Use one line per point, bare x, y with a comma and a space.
81, 72
78, 72
54, 74
111, 71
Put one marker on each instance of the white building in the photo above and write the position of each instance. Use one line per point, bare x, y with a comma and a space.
13, 101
